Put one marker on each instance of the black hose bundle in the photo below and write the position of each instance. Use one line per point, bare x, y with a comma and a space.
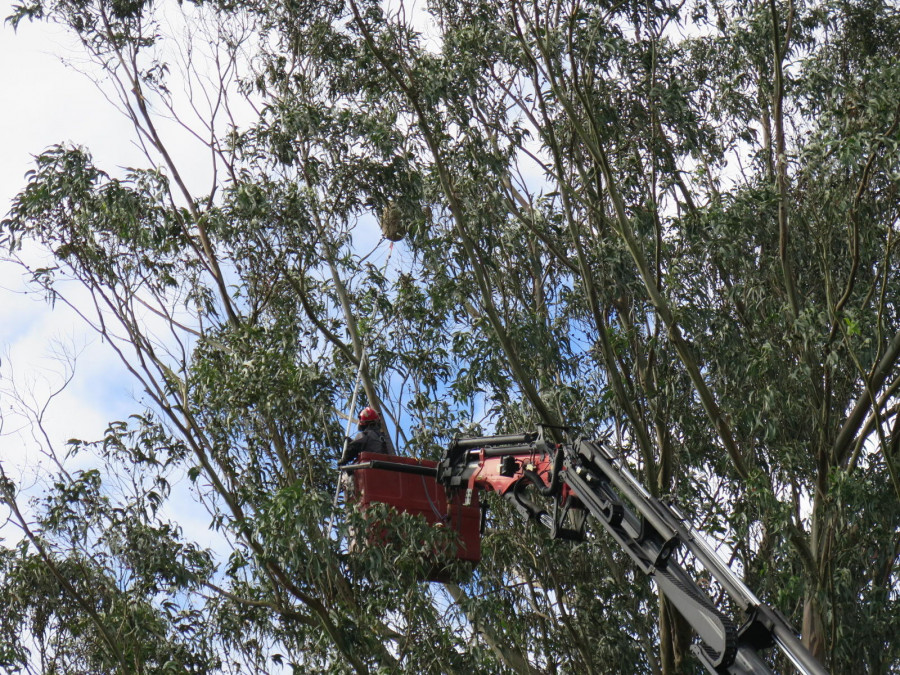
555, 476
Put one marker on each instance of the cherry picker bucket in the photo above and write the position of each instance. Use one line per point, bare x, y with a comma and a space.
409, 486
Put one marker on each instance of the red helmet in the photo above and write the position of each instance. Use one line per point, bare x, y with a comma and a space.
369, 415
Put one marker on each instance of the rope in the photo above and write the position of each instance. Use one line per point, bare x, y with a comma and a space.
362, 362
340, 483
443, 517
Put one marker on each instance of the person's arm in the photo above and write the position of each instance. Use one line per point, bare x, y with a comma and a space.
356, 445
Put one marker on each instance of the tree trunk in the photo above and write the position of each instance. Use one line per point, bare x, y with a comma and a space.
813, 629
674, 638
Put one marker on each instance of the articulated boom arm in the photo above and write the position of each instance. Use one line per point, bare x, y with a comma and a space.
583, 478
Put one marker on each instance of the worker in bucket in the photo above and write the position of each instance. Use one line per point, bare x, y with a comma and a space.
371, 437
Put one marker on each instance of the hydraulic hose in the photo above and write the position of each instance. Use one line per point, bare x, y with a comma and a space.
555, 477
525, 507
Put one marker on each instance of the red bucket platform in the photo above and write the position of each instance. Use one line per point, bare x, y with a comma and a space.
420, 495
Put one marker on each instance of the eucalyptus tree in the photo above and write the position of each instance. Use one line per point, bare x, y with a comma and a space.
669, 224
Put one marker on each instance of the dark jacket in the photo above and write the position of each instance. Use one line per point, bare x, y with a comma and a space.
370, 438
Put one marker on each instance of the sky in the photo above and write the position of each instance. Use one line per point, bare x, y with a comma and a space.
46, 100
